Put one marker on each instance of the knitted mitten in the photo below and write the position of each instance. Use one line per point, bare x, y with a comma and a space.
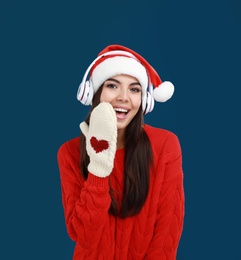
101, 136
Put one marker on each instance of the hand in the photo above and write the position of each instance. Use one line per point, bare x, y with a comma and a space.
101, 138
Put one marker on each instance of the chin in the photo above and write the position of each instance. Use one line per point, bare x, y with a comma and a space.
121, 126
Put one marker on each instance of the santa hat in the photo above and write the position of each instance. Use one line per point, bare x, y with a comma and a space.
117, 59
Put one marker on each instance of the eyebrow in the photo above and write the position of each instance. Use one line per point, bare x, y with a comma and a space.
117, 81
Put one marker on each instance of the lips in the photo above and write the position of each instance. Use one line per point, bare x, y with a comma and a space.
121, 113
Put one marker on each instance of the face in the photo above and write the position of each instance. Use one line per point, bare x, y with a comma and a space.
123, 92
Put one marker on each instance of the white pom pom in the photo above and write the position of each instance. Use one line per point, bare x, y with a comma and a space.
163, 92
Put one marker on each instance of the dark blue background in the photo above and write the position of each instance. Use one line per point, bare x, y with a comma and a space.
46, 47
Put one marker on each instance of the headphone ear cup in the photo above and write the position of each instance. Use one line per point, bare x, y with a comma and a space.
90, 94
85, 93
149, 103
80, 91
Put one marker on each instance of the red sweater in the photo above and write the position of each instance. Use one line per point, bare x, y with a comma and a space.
152, 234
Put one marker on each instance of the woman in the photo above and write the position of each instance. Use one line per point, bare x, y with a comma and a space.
122, 180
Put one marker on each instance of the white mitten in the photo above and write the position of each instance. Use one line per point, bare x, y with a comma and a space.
101, 138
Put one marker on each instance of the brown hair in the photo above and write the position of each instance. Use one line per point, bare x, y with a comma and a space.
137, 162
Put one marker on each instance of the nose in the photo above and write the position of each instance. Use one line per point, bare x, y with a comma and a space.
123, 95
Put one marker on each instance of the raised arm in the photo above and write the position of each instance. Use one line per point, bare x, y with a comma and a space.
86, 203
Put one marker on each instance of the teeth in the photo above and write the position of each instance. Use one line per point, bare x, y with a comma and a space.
121, 110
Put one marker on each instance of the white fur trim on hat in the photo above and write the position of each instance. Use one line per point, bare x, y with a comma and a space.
119, 65
163, 92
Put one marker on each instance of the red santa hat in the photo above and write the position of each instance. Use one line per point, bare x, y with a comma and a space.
116, 59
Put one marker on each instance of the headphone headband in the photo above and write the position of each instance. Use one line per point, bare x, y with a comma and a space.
103, 55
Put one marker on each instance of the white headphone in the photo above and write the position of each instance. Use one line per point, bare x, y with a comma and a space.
85, 91
148, 101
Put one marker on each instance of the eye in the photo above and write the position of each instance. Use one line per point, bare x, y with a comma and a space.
111, 85
136, 89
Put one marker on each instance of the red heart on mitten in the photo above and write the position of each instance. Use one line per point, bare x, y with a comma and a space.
99, 145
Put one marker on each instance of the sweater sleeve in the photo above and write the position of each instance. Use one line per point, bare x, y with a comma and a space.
85, 203
170, 214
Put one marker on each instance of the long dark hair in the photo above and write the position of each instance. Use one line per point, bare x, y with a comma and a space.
137, 163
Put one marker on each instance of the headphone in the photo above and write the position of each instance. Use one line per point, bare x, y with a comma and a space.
148, 101
85, 91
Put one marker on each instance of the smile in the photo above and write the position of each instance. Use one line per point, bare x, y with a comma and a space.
121, 113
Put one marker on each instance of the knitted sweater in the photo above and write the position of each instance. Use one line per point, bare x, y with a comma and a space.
152, 234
